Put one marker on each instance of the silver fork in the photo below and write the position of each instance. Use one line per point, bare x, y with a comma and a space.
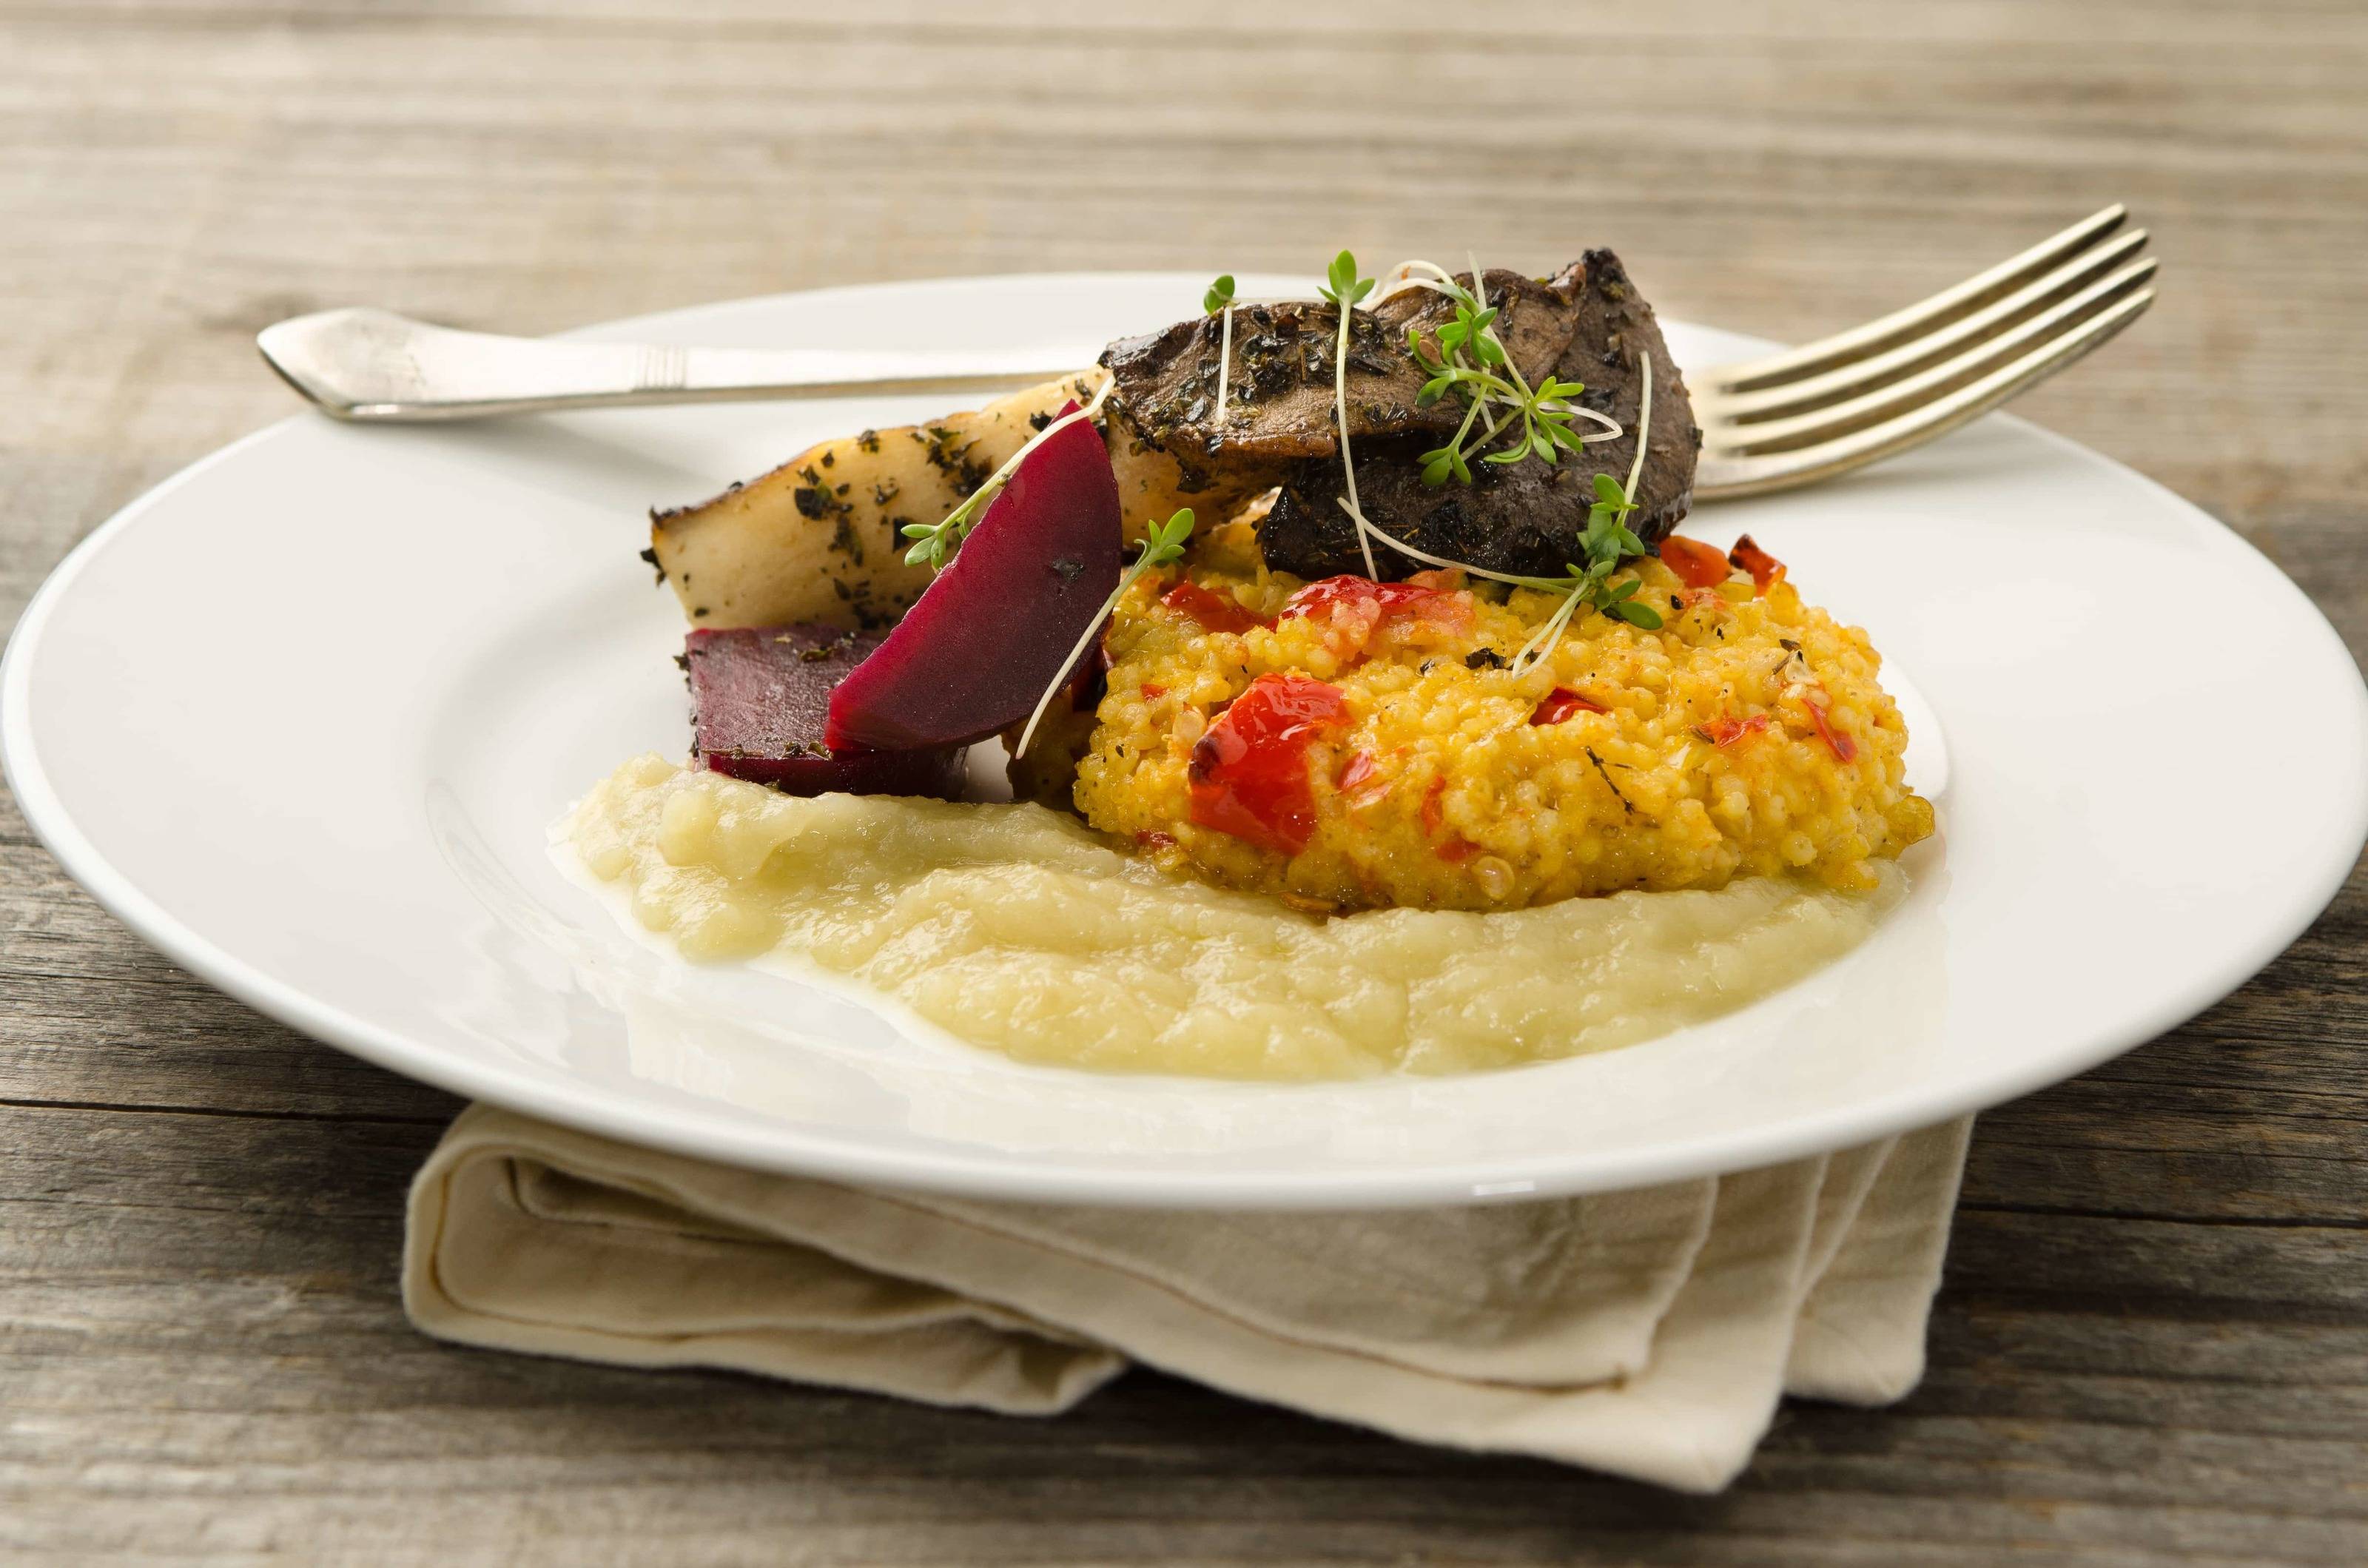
1772, 424
1902, 380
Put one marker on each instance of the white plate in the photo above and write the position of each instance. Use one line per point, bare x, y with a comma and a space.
300, 717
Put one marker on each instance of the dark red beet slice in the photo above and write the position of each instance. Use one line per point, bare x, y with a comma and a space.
994, 630
759, 699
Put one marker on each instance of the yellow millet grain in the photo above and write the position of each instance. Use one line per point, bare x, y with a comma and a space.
1467, 803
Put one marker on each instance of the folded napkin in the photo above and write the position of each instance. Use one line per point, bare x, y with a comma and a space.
1647, 1333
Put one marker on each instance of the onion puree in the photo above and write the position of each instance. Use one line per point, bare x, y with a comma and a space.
1019, 930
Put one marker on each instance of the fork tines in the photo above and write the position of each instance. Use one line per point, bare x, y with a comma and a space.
1898, 381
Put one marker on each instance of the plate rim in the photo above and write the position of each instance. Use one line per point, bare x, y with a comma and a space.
791, 1151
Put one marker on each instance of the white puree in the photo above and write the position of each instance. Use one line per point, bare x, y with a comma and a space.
1018, 929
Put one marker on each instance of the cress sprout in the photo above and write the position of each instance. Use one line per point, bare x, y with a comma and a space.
934, 541
1344, 289
1220, 297
1163, 544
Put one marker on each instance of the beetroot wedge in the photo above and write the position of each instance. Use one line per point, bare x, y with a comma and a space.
759, 697
997, 625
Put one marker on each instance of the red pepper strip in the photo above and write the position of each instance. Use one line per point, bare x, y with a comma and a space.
1457, 849
1326, 592
1842, 746
1765, 569
1356, 781
1248, 773
1215, 612
1150, 692
1561, 703
1723, 732
1416, 600
1698, 565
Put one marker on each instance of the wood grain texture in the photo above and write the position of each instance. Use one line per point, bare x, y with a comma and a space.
2153, 1345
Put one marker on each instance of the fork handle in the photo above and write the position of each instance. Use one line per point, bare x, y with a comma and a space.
366, 364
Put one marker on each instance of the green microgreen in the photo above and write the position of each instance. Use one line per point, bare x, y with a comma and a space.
1608, 535
1606, 542
1344, 289
1162, 544
1467, 358
1220, 297
934, 541
1342, 286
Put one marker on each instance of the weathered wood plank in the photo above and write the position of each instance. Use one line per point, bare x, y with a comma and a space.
2153, 1344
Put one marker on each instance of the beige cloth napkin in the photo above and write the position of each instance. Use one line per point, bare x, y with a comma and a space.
1647, 1333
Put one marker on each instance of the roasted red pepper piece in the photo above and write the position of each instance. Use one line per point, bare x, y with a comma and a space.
1412, 600
1248, 773
1723, 732
1433, 818
1561, 703
1698, 565
1215, 611
1356, 781
1765, 569
1457, 848
1842, 746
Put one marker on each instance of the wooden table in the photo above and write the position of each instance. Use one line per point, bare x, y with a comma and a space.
2153, 1345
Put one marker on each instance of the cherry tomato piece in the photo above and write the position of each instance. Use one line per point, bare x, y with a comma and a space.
1215, 611
1698, 565
1842, 746
1411, 600
1561, 703
1723, 732
1248, 773
1765, 569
